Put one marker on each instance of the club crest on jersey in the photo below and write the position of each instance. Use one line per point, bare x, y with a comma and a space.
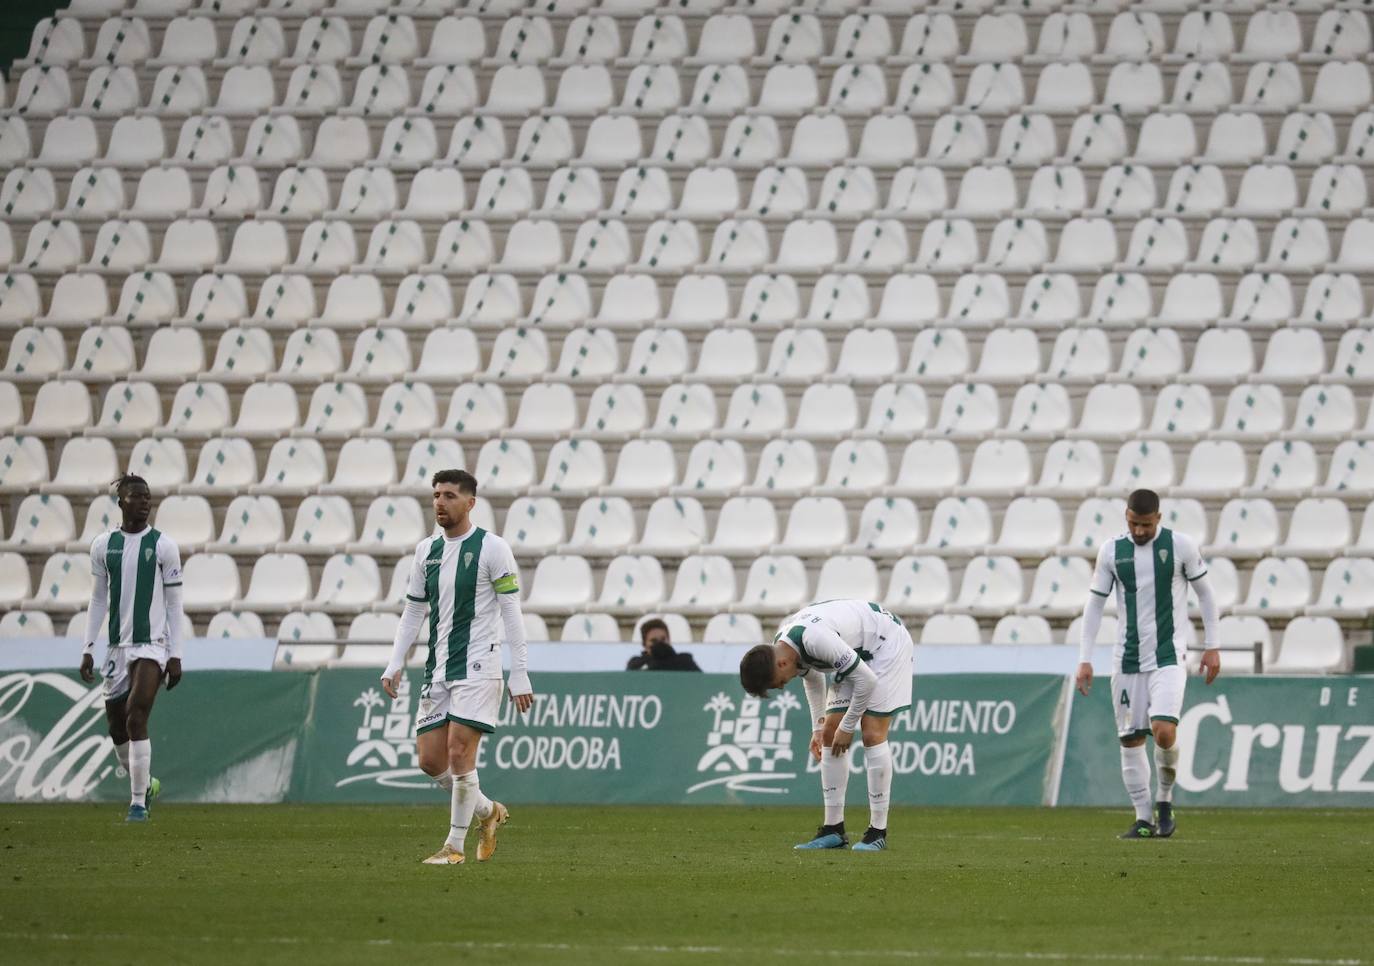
1163, 555
467, 559
147, 554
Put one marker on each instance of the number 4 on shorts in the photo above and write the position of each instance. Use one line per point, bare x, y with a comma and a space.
1125, 698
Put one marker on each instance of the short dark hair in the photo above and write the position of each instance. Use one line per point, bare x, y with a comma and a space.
653, 624
756, 670
1145, 503
465, 481
126, 481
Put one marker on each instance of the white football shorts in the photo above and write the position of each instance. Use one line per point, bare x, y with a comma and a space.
117, 661
474, 702
1138, 699
892, 693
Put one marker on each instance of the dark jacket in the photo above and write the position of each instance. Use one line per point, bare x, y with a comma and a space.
662, 657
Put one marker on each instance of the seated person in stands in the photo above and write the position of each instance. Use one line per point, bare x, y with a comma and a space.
658, 653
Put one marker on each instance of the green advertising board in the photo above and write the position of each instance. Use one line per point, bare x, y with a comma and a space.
334, 736
1242, 741
664, 738
696, 738
220, 736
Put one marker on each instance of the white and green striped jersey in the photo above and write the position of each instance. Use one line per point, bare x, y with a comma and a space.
136, 567
460, 579
1151, 583
833, 636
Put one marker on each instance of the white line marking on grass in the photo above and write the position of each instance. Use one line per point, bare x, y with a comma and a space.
733, 952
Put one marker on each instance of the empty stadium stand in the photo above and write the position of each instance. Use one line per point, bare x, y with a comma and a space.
727, 306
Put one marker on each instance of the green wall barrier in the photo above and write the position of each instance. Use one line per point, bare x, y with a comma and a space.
997, 739
689, 738
1242, 741
221, 736
333, 736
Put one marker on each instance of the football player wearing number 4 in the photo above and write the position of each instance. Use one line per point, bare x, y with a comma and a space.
866, 653
467, 580
1149, 568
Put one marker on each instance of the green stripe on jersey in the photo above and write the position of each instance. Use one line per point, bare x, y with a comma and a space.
114, 568
795, 633
1165, 655
464, 606
145, 573
1125, 572
432, 566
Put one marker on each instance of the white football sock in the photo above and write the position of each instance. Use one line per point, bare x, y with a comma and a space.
1135, 774
483, 807
122, 756
140, 770
878, 765
445, 780
834, 782
1166, 769
466, 792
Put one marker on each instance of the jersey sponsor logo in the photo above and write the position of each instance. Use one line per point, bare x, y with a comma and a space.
748, 745
434, 563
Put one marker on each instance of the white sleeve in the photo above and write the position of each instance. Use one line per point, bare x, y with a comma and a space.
501, 569
1092, 623
169, 559
412, 619
1104, 579
519, 682
1104, 575
415, 586
865, 681
171, 597
1207, 603
813, 682
1190, 559
505, 580
824, 646
100, 594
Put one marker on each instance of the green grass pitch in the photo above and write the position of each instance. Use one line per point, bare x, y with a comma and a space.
339, 885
